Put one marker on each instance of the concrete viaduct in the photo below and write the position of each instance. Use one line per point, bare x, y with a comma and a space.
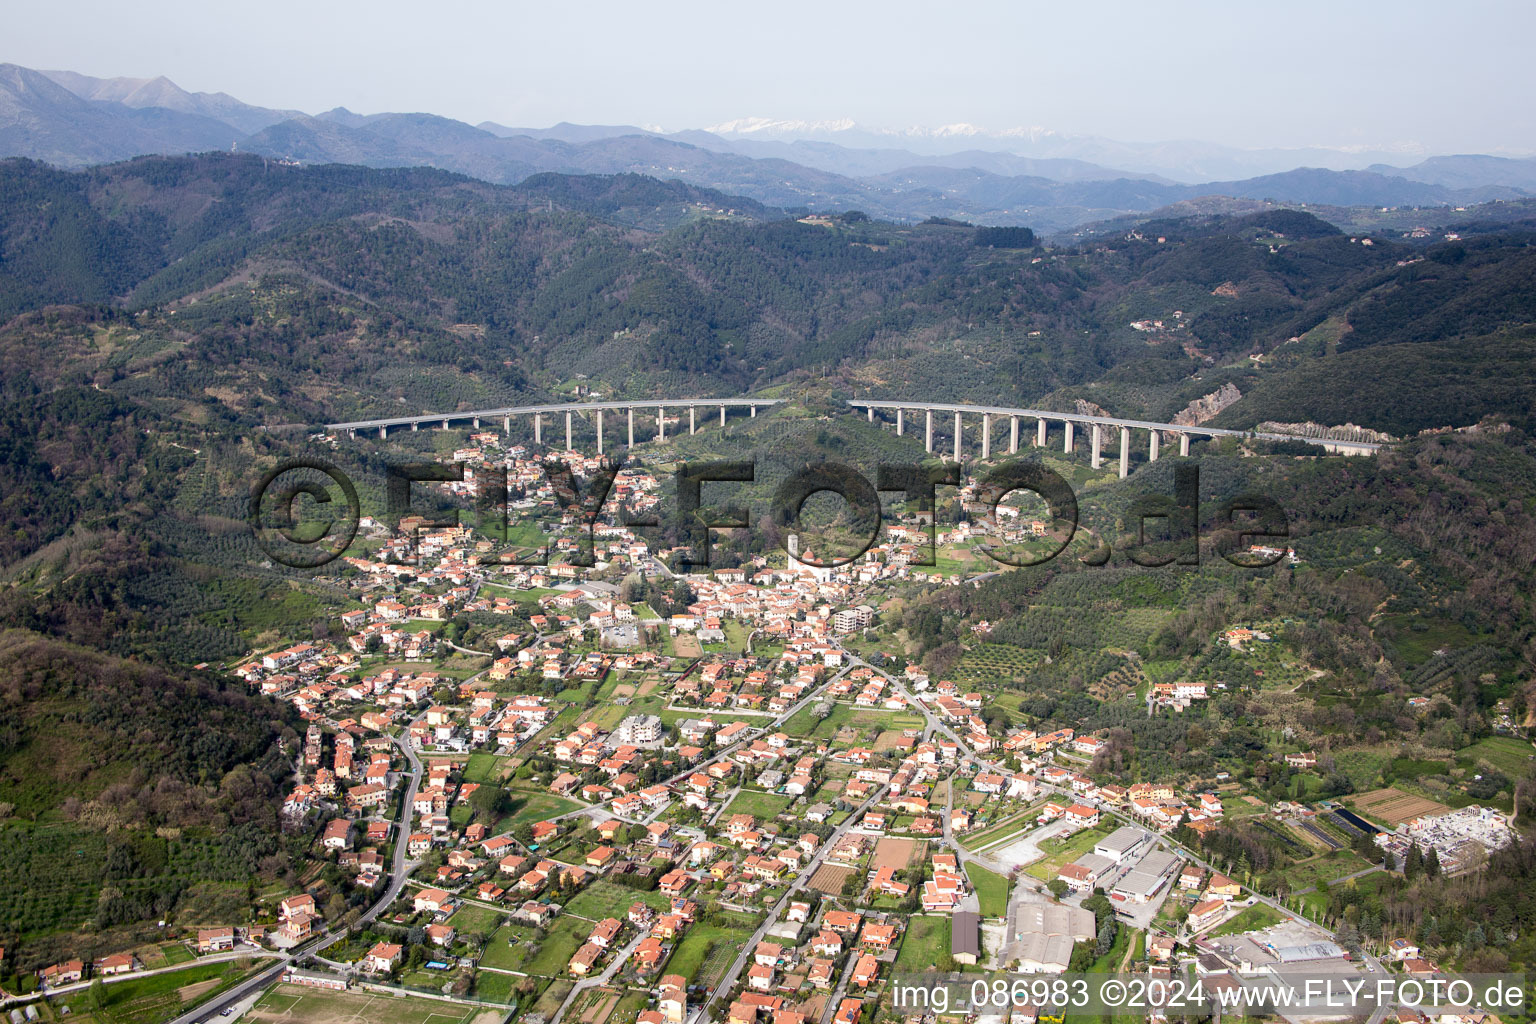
1096, 427
538, 412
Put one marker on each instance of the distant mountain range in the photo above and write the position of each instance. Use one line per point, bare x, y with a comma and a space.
1043, 179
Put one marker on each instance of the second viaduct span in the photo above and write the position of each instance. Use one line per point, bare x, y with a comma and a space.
1096, 427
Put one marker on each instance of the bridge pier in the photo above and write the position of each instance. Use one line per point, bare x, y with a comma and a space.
753, 408
1013, 435
1040, 433
1125, 452
538, 428
506, 426
986, 435
661, 423
722, 417
1184, 445
1098, 444
1157, 439
415, 426
959, 429
631, 412
1066, 446
477, 422
871, 412
928, 430
692, 427
445, 424
568, 430
599, 431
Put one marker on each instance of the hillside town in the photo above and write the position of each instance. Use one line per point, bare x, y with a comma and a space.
726, 813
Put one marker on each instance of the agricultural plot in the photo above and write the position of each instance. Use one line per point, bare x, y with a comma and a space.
899, 853
484, 767
1362, 767
830, 878
991, 663
1008, 826
1394, 807
706, 951
1318, 836
1506, 753
285, 1004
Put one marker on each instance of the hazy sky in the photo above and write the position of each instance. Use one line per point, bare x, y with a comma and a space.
1445, 77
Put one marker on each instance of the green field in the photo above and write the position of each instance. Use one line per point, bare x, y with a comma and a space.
482, 767
805, 725
472, 918
509, 956
604, 899
1012, 823
530, 806
706, 943
1250, 920
525, 596
991, 890
156, 997
1509, 755
1063, 851
925, 943
562, 940
764, 806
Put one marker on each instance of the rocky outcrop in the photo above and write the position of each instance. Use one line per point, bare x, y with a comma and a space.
1206, 407
1344, 432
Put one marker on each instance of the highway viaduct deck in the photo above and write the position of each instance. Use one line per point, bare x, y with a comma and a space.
1096, 427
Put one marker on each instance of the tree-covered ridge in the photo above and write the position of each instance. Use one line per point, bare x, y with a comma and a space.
143, 743
319, 293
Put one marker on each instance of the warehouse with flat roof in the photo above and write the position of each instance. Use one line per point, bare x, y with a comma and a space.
1122, 843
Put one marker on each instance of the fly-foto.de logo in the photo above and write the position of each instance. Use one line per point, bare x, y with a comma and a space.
1163, 529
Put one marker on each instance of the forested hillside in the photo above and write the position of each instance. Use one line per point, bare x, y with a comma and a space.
299, 295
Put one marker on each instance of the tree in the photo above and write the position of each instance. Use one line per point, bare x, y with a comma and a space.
1106, 938
488, 801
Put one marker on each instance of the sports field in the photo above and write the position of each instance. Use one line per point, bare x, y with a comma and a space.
291, 1004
